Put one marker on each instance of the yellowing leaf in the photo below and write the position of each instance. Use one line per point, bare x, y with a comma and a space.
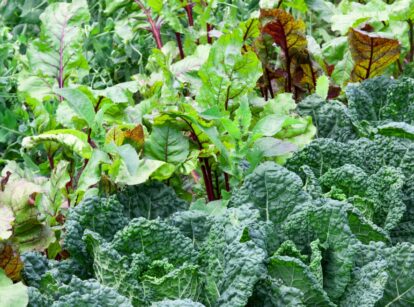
116, 135
10, 262
287, 32
136, 135
371, 53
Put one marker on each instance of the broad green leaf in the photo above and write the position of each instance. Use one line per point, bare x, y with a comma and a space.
343, 69
402, 10
269, 125
167, 144
119, 93
271, 147
15, 295
322, 87
228, 74
282, 104
243, 116
57, 54
397, 129
129, 169
357, 13
92, 172
56, 188
79, 103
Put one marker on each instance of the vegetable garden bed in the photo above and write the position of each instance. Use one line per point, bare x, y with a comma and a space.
206, 153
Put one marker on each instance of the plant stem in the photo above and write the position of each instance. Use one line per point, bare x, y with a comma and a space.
205, 167
226, 102
217, 184
189, 11
227, 181
209, 28
51, 162
180, 44
269, 83
154, 28
61, 79
411, 36
400, 68
279, 4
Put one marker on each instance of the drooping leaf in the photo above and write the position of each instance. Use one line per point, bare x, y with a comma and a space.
371, 53
28, 230
73, 140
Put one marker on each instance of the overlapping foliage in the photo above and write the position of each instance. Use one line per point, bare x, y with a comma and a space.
206, 153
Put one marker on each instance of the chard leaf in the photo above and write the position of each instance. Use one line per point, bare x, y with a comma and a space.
10, 262
228, 74
129, 169
79, 103
322, 87
167, 144
73, 140
289, 35
371, 53
57, 53
12, 294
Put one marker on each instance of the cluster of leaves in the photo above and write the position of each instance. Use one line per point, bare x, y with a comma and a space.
276, 242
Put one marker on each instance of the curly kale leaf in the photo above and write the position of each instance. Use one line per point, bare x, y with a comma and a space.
150, 200
106, 216
367, 99
373, 175
383, 276
102, 215
232, 257
331, 118
147, 261
294, 215
274, 190
76, 293
57, 283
